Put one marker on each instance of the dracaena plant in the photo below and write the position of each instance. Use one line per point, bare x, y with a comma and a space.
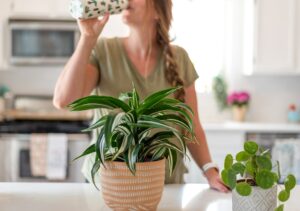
254, 167
138, 131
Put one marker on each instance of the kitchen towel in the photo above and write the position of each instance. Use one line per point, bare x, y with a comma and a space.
57, 156
84, 9
287, 152
38, 151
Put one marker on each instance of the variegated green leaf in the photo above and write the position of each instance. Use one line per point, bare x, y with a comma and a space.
92, 102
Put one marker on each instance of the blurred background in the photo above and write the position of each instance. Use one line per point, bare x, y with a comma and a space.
237, 46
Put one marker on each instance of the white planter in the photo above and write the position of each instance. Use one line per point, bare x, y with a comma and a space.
259, 200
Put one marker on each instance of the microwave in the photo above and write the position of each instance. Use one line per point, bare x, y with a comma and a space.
41, 41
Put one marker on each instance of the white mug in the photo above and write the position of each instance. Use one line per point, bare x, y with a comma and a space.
85, 9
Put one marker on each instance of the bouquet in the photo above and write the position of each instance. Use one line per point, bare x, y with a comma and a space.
238, 99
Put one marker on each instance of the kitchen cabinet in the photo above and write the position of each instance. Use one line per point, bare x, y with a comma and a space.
276, 47
41, 8
220, 143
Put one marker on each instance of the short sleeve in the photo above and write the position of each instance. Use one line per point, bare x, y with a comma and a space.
93, 60
97, 53
186, 69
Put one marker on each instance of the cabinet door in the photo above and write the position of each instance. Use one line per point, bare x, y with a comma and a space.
41, 8
274, 36
32, 7
220, 144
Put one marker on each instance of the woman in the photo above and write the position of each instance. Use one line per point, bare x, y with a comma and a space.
146, 58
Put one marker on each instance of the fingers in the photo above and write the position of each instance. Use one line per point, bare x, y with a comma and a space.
219, 186
104, 20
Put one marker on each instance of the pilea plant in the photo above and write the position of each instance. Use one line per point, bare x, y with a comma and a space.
253, 167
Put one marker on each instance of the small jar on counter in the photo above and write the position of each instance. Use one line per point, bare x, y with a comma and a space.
293, 114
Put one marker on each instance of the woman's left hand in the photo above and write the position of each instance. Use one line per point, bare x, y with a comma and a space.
214, 180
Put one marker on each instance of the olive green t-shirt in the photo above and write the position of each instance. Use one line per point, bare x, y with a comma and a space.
117, 74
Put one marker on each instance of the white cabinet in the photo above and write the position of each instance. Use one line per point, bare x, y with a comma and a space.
275, 44
40, 8
220, 143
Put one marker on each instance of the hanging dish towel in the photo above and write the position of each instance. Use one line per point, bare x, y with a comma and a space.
57, 156
38, 154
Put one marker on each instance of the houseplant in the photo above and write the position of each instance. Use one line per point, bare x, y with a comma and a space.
239, 102
253, 181
133, 143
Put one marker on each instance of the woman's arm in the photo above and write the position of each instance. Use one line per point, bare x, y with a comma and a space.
200, 152
78, 77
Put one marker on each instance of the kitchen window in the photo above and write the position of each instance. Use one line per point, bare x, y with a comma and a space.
199, 27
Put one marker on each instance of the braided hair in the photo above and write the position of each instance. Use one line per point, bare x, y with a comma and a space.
163, 8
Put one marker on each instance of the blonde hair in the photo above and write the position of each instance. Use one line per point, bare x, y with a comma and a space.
163, 9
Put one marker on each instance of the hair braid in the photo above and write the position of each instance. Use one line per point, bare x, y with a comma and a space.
164, 11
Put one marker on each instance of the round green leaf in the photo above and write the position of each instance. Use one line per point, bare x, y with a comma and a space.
231, 178
239, 168
251, 147
242, 156
263, 162
284, 195
228, 161
265, 179
243, 188
279, 208
290, 182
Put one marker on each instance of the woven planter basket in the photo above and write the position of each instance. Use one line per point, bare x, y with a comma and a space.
123, 191
259, 199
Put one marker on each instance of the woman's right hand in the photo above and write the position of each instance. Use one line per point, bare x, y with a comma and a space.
91, 28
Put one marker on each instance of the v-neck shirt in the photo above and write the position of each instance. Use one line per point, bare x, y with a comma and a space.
117, 72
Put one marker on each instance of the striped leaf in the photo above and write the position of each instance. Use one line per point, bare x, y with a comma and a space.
89, 150
172, 160
155, 98
92, 102
95, 170
97, 124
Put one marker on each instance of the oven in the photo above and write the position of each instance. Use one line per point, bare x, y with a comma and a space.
15, 139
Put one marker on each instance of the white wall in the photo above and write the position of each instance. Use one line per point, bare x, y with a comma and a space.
271, 95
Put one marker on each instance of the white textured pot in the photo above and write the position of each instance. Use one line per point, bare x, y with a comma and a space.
259, 200
123, 191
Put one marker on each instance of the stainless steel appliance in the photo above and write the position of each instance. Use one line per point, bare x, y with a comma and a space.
36, 115
35, 41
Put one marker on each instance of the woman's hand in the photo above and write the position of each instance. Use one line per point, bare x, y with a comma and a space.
214, 180
90, 29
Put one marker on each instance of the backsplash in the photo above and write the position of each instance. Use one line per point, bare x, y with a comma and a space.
270, 95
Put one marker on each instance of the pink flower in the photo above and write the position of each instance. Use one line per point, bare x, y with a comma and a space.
238, 98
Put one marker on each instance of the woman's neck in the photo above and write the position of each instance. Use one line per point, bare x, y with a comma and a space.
142, 43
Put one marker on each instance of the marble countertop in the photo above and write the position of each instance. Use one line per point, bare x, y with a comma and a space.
84, 197
253, 127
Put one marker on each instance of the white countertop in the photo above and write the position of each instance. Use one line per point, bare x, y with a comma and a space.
253, 127
84, 197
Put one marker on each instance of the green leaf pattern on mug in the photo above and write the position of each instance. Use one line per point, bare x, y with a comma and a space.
93, 8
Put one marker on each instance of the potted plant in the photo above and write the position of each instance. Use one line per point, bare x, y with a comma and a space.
253, 181
133, 143
239, 102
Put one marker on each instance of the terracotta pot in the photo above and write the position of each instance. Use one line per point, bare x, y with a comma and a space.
239, 113
259, 199
123, 191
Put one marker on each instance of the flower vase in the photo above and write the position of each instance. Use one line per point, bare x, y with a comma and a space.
239, 113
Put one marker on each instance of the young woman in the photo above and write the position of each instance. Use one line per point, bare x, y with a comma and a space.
146, 58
